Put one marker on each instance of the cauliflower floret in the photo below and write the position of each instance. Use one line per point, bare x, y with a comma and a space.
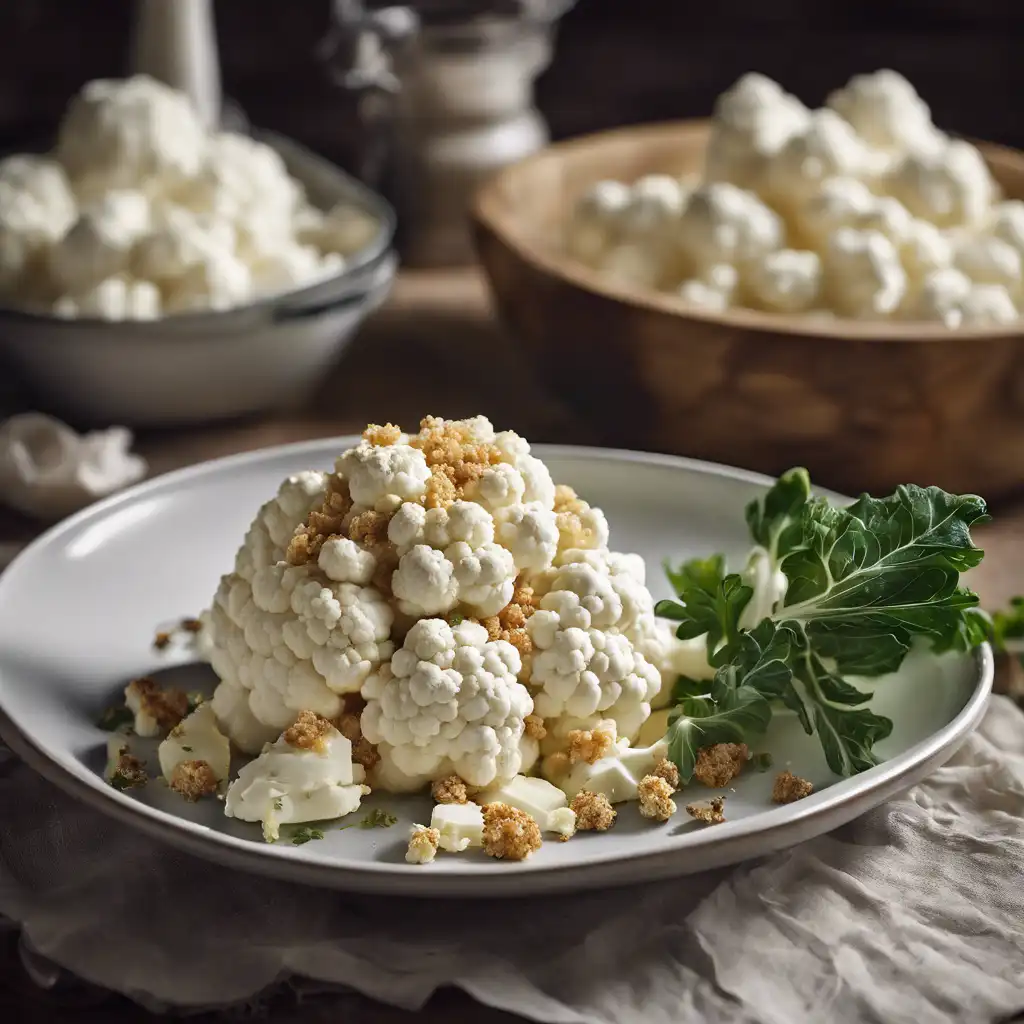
100, 243
218, 281
787, 281
986, 259
594, 225
291, 783
376, 473
230, 704
863, 274
753, 120
530, 533
537, 483
180, 239
1008, 223
940, 297
988, 304
292, 266
722, 224
449, 702
346, 229
344, 561
714, 289
950, 186
44, 182
634, 265
497, 487
129, 133
655, 204
196, 738
925, 249
828, 147
116, 298
425, 582
839, 202
886, 112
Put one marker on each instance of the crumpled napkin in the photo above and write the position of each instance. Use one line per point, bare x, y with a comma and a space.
913, 914
48, 471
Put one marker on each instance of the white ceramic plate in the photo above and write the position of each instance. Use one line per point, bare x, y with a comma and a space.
79, 608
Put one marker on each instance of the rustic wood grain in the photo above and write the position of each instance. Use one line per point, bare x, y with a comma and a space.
865, 406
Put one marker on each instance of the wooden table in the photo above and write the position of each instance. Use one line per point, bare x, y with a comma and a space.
455, 361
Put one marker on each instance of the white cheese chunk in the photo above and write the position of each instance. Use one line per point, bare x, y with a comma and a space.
545, 803
460, 826
616, 776
196, 738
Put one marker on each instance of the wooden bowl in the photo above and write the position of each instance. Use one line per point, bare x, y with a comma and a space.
864, 406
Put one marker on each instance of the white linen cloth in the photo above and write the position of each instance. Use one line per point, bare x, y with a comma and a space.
48, 471
913, 914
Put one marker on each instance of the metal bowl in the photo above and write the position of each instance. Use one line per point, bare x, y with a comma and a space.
196, 367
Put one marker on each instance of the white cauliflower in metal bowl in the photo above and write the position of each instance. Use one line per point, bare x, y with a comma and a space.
440, 600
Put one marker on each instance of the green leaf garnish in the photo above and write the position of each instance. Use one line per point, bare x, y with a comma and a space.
304, 835
1006, 628
378, 818
116, 717
762, 762
861, 586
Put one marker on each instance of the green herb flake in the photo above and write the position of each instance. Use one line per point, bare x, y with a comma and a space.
188, 750
116, 717
378, 818
762, 762
304, 835
456, 618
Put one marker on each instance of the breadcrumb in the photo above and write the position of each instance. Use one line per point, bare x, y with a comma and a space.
422, 845
454, 458
310, 732
666, 770
509, 833
535, 727
161, 640
789, 787
382, 436
591, 745
192, 625
167, 707
349, 725
712, 813
510, 623
656, 798
322, 523
193, 779
370, 529
594, 812
719, 764
129, 772
450, 790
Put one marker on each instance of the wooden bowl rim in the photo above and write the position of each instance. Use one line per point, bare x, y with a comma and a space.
486, 212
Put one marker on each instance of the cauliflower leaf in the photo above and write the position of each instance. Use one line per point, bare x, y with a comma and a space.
863, 584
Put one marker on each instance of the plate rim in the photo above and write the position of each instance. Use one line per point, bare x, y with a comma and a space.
756, 835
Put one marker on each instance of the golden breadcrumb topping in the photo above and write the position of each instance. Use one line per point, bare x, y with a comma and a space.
129, 772
567, 500
712, 813
656, 798
719, 764
509, 833
423, 844
349, 725
449, 790
789, 787
666, 770
591, 745
370, 528
192, 625
382, 436
454, 458
161, 640
166, 707
193, 779
322, 523
310, 732
535, 727
510, 623
569, 510
594, 812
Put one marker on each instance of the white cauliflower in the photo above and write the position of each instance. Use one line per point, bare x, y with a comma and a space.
594, 225
345, 230
723, 224
988, 305
449, 701
218, 281
120, 134
429, 581
529, 532
787, 280
1008, 223
180, 240
714, 288
581, 665
537, 483
635, 265
951, 298
925, 249
886, 112
752, 121
115, 298
986, 259
863, 273
383, 473
839, 202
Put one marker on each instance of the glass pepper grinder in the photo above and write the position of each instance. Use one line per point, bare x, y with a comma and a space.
446, 96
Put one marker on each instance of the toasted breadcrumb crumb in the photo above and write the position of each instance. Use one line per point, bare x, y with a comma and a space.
322, 523
656, 798
666, 770
310, 732
382, 436
591, 745
422, 845
449, 790
454, 458
594, 812
161, 640
166, 707
510, 623
370, 529
712, 813
535, 727
193, 779
789, 787
192, 625
129, 772
719, 764
348, 724
509, 833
